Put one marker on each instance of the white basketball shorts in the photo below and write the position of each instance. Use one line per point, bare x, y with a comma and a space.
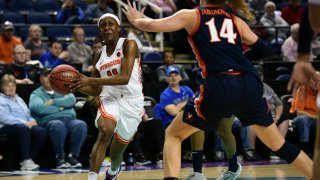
125, 111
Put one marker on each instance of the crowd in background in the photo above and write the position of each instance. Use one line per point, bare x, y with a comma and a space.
27, 61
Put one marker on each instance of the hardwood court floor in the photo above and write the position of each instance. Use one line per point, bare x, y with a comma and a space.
250, 172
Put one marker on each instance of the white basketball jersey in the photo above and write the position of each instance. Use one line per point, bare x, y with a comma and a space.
110, 66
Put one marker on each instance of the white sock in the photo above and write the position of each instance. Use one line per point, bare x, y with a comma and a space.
110, 172
92, 176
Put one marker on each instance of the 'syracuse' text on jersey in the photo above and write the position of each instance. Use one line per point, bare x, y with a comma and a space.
216, 42
110, 66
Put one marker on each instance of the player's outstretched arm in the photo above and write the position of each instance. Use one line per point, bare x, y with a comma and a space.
182, 19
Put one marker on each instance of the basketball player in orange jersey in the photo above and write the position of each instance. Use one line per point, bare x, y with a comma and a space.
232, 85
303, 72
116, 78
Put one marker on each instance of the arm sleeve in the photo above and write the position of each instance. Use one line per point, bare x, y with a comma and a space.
72, 52
60, 16
58, 62
39, 107
304, 44
165, 100
26, 109
6, 118
274, 96
161, 72
66, 101
81, 14
184, 74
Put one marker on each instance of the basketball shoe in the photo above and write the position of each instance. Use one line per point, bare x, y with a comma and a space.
196, 176
112, 177
229, 175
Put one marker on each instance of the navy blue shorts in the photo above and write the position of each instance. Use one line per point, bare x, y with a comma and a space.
225, 95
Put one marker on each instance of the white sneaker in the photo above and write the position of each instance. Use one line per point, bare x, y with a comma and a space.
228, 175
28, 165
196, 176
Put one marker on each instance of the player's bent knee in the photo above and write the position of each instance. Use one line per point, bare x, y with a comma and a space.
288, 152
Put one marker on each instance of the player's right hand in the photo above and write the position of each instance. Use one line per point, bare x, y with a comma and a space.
132, 13
303, 73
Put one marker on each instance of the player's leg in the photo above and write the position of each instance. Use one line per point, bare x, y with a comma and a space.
283, 128
175, 134
117, 149
106, 131
197, 141
271, 137
229, 142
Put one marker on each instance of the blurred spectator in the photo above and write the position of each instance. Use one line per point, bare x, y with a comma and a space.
94, 11
289, 49
276, 107
151, 134
16, 121
272, 20
258, 28
305, 106
7, 42
23, 72
292, 12
56, 113
290, 46
79, 51
257, 6
54, 56
174, 97
168, 61
34, 42
70, 13
142, 39
96, 45
168, 7
315, 46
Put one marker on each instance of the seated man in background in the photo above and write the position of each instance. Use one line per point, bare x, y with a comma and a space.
289, 49
168, 61
56, 113
16, 121
34, 42
54, 56
7, 42
172, 100
23, 72
96, 10
305, 106
275, 106
80, 53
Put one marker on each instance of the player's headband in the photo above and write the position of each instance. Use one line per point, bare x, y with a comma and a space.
109, 15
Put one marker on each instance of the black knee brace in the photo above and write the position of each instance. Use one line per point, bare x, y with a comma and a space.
288, 152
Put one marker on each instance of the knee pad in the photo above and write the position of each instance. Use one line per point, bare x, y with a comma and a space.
288, 152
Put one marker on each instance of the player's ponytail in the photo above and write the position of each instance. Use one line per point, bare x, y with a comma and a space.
242, 8
239, 7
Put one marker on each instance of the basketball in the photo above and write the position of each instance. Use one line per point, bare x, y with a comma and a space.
61, 78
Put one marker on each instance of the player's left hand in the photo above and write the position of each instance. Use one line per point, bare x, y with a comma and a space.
79, 83
132, 13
